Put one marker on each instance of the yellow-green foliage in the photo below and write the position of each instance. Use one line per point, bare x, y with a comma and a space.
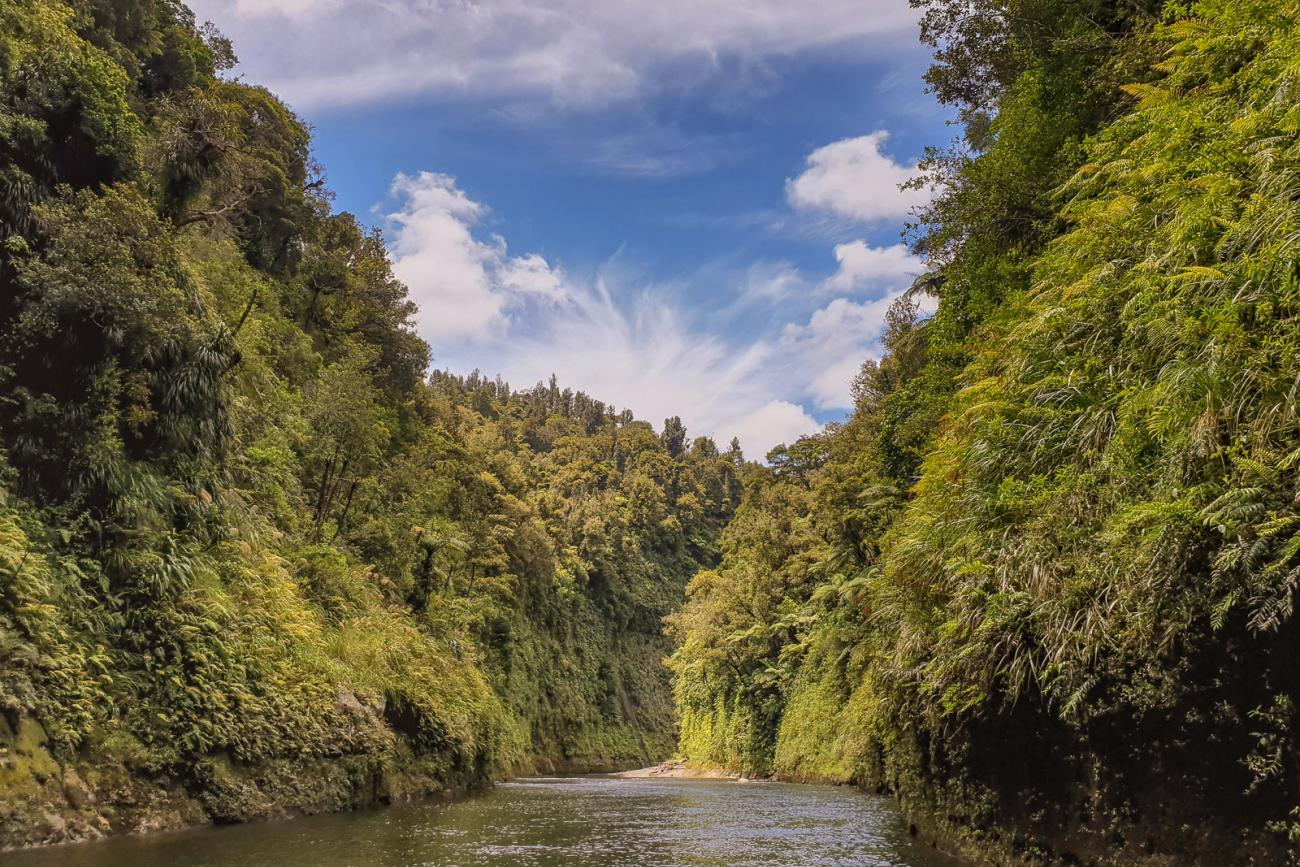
722, 735
820, 737
53, 662
241, 524
1057, 545
730, 666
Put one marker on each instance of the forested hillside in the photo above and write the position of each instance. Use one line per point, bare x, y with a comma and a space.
1041, 584
253, 559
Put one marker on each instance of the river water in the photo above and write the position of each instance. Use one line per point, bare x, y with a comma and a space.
549, 822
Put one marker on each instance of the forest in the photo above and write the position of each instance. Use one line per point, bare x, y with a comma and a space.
259, 557
254, 558
1041, 584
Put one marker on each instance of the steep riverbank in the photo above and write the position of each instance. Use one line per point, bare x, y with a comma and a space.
1042, 582
1083, 832
50, 802
257, 557
47, 801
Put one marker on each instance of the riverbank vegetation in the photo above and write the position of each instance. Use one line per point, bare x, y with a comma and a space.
1041, 584
253, 558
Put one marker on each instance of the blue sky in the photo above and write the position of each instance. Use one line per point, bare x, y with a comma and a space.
681, 207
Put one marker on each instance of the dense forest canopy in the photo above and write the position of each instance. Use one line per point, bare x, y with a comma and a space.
1041, 584
253, 557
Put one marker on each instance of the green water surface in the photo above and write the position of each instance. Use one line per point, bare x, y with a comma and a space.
571, 821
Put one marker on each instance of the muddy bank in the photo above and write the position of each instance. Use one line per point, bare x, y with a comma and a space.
680, 770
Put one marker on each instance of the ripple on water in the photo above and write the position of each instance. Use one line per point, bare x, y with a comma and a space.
553, 822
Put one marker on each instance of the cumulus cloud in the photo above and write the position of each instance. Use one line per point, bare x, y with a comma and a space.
864, 268
465, 287
524, 318
854, 178
572, 51
531, 276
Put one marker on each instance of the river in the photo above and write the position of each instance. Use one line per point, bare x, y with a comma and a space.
549, 822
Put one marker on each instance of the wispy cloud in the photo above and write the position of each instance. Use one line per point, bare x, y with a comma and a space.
649, 346
768, 282
652, 151
572, 52
524, 317
648, 354
833, 344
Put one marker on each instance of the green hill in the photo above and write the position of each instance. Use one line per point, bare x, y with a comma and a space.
253, 560
1041, 585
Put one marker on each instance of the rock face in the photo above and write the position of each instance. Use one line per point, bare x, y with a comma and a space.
79, 796
44, 802
49, 801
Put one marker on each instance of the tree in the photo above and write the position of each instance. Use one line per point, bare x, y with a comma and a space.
64, 116
674, 437
349, 432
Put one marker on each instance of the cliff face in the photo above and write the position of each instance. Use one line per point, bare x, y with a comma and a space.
47, 801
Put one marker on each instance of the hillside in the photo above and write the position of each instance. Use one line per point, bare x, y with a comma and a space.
1041, 584
260, 557
254, 560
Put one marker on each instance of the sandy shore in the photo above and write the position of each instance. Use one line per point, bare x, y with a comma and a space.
678, 770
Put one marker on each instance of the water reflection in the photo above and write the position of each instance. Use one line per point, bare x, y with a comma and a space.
548, 822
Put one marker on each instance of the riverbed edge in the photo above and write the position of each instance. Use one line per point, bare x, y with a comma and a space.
46, 801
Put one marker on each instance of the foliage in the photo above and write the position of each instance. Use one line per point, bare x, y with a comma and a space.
1052, 557
240, 522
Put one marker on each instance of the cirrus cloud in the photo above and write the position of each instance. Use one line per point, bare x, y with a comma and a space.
834, 343
575, 52
524, 318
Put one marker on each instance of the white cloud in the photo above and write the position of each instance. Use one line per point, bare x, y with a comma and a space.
524, 318
262, 8
532, 275
646, 355
833, 345
772, 281
854, 178
465, 287
863, 267
572, 51
779, 421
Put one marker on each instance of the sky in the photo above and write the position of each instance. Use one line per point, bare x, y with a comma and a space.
681, 207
